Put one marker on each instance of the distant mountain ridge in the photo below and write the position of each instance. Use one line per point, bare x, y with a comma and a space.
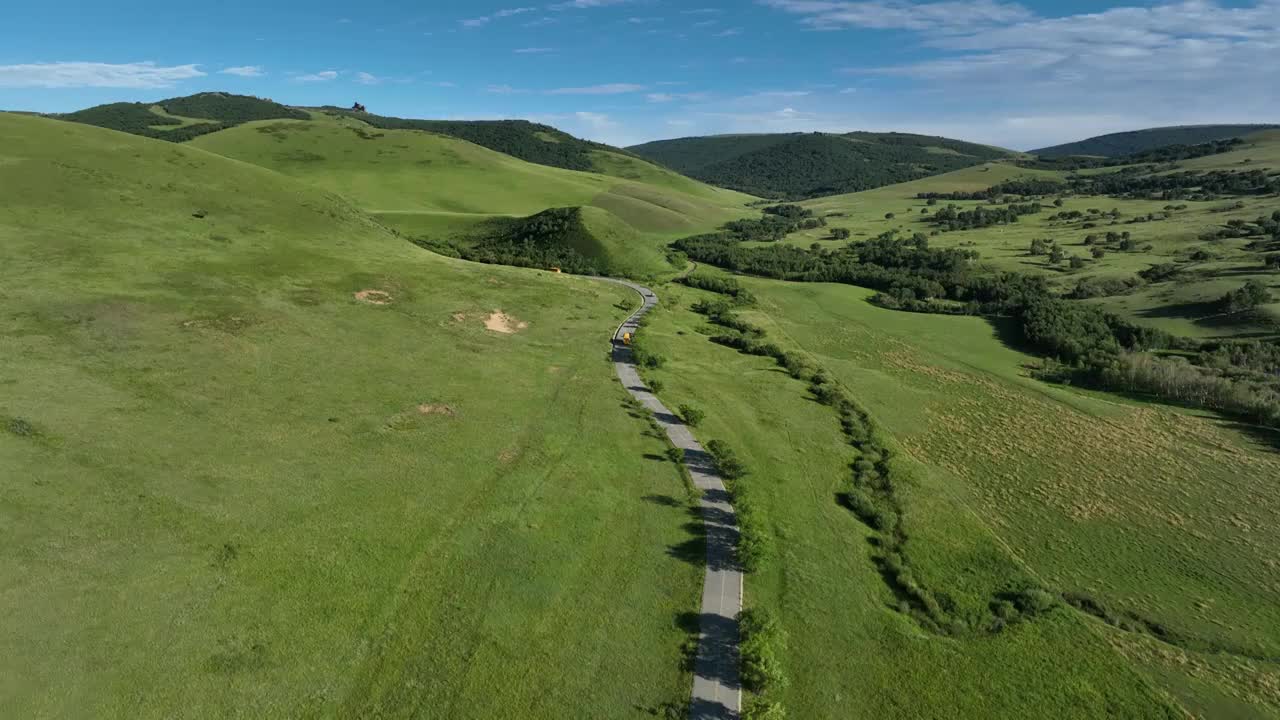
805, 165
1137, 141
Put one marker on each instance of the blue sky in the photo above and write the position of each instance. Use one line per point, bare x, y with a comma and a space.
1017, 74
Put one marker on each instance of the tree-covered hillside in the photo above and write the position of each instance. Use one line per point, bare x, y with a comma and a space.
1136, 141
183, 118
803, 165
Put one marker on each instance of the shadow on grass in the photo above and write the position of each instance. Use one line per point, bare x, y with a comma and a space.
1266, 438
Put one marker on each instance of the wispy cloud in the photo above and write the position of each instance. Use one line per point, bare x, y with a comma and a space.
323, 76
365, 78
607, 89
243, 71
950, 15
730, 32
533, 51
582, 4
483, 20
91, 74
504, 90
673, 97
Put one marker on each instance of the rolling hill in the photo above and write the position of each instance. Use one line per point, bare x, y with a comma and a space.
259, 456
1137, 141
804, 165
437, 189
183, 118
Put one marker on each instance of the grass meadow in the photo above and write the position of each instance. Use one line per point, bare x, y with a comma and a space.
261, 458
436, 186
1154, 513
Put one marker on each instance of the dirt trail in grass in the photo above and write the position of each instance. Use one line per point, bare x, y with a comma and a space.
717, 690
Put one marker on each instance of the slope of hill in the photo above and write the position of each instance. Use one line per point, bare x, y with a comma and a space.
432, 186
259, 456
532, 142
183, 118
1136, 141
803, 165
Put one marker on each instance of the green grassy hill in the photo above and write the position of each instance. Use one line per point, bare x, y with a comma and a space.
1207, 265
801, 165
433, 187
261, 457
1136, 141
183, 118
532, 142
1166, 518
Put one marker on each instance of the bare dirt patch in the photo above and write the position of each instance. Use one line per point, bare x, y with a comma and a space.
459, 317
374, 297
501, 322
437, 409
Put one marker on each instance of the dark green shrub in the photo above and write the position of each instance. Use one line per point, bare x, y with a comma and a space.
692, 416
727, 462
764, 644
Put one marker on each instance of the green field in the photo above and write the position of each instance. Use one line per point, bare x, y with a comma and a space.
1151, 511
434, 186
234, 488
1182, 305
262, 456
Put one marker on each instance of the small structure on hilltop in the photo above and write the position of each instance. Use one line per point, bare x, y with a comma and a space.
359, 108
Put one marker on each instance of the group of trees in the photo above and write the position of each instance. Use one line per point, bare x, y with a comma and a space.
1090, 344
1025, 187
548, 239
1186, 185
1254, 294
952, 217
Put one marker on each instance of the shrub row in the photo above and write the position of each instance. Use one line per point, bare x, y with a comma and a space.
764, 643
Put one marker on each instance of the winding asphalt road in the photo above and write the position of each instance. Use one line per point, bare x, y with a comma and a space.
717, 690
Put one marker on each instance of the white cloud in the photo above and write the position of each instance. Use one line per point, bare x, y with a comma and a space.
486, 19
243, 71
582, 4
949, 15
90, 74
323, 76
534, 51
365, 78
672, 97
504, 90
607, 89
1172, 62
730, 32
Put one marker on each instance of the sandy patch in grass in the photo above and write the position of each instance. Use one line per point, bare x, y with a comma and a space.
374, 297
459, 317
437, 409
501, 322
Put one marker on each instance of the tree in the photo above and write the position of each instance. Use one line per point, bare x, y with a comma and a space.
1040, 246
889, 216
1058, 202
1272, 262
1056, 256
934, 201
1099, 253
840, 233
1090, 239
1253, 294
